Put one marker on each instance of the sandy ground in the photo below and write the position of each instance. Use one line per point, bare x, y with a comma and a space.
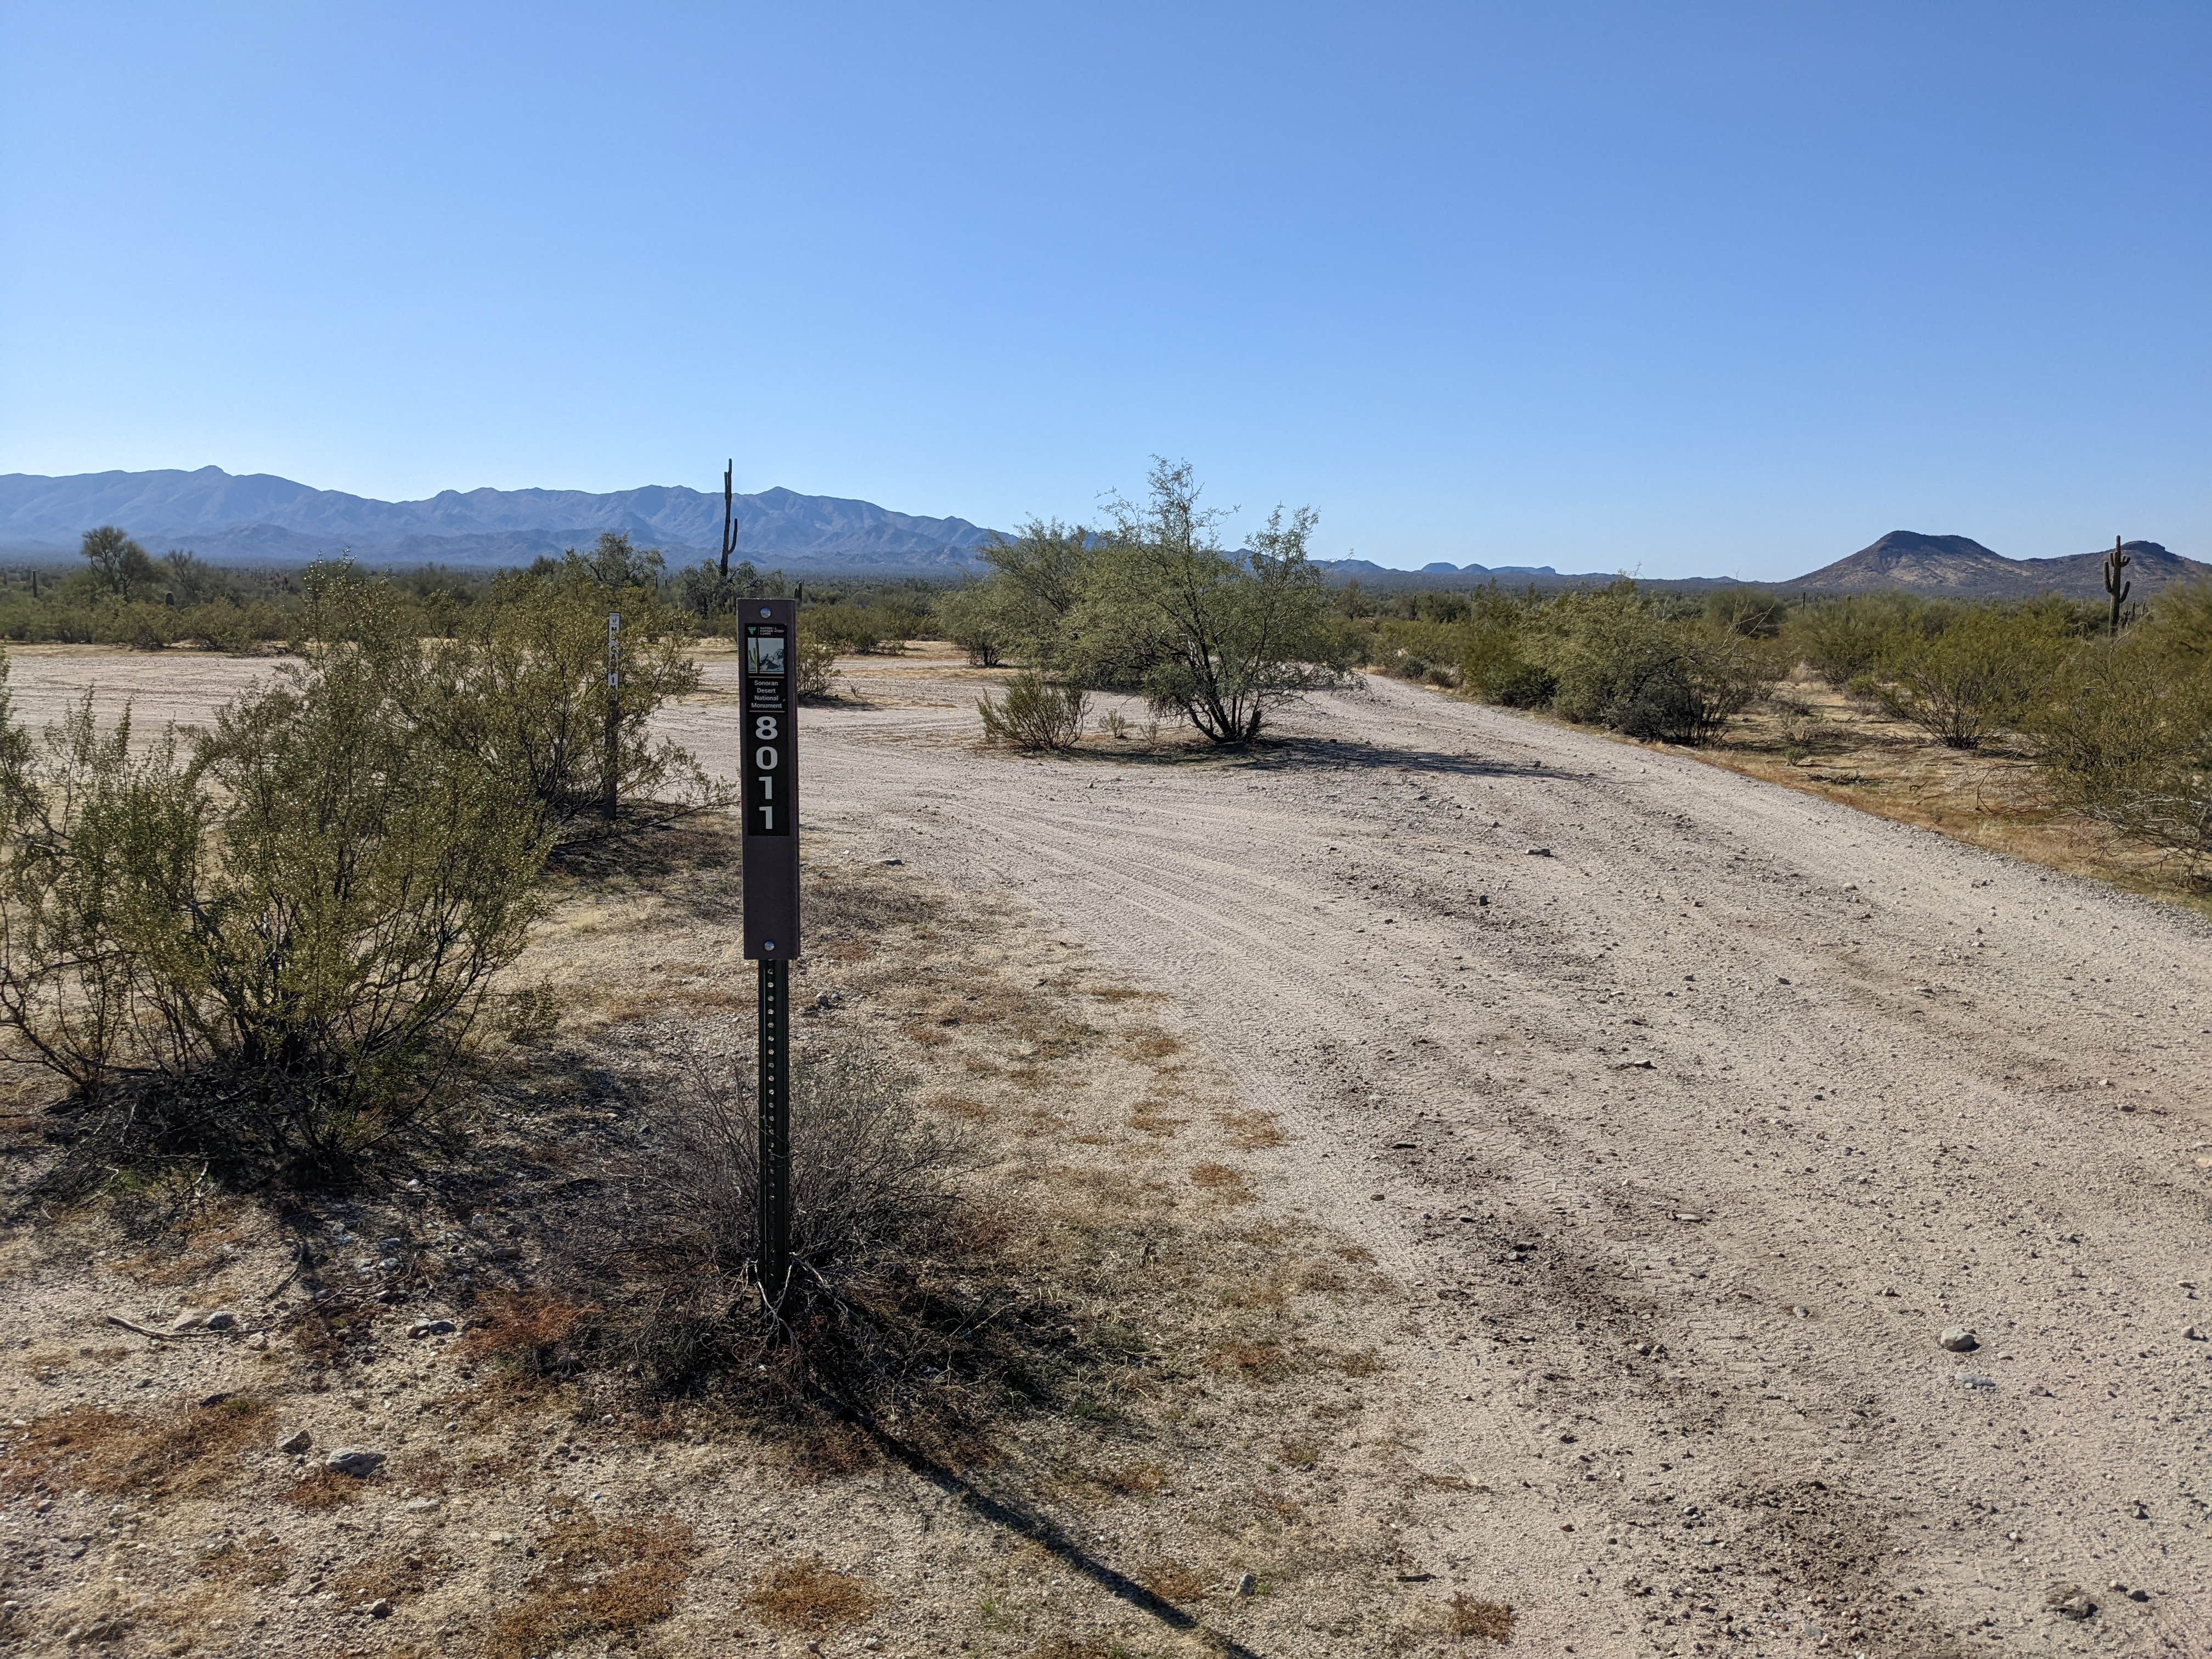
1691, 1110
1685, 1111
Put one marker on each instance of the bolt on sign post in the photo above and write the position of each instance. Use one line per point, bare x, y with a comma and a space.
612, 774
768, 640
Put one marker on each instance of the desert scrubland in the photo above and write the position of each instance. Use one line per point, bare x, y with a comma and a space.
1464, 1180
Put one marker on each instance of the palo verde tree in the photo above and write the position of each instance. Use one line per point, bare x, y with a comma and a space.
1223, 639
118, 565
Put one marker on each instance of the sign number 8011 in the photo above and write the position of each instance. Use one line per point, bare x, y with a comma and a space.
768, 792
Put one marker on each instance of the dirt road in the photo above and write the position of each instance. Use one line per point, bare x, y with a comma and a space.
1691, 1111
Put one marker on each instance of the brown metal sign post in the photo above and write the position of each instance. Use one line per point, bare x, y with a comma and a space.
768, 643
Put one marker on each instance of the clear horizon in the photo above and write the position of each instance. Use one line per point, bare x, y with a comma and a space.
1723, 292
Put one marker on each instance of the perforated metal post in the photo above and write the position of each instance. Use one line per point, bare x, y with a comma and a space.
774, 1219
767, 634
612, 776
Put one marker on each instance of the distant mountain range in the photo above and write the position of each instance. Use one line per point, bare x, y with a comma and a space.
1962, 568
258, 519
261, 519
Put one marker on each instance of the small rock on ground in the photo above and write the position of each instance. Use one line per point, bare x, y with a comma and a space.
358, 1462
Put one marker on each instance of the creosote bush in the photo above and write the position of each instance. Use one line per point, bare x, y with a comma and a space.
522, 682
1980, 670
1622, 661
1034, 713
818, 672
263, 952
2126, 733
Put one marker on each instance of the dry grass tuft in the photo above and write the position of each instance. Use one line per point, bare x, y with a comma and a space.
1151, 1117
1224, 1182
810, 1594
325, 1489
1493, 1621
1171, 1581
1138, 1479
1060, 1646
190, 1451
598, 1580
389, 1578
965, 1107
1250, 1130
259, 1561
1255, 1362
1154, 1045
530, 1331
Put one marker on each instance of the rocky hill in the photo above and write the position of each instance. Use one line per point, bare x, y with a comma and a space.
1958, 567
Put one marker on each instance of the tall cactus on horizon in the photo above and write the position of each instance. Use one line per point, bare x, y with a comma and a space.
2115, 563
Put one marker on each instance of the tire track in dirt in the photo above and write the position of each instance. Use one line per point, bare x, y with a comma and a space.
1902, 1083
1861, 1056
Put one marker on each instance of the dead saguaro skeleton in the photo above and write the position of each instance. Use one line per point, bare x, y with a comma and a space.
2115, 563
768, 637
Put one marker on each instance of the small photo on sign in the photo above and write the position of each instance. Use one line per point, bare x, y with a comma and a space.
764, 656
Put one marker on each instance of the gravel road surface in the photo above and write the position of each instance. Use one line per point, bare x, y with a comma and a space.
1690, 1111
1693, 1112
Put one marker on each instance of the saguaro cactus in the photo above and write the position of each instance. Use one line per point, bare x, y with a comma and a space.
2115, 562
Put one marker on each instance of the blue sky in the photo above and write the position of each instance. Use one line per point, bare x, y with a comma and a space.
1682, 288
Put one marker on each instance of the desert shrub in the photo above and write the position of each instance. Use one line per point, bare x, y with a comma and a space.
1600, 645
1222, 640
522, 684
264, 955
1752, 612
817, 669
866, 628
1843, 639
1399, 644
1513, 684
1620, 661
2178, 629
1034, 713
2126, 735
670, 1258
15, 757
1493, 667
978, 619
1980, 672
1038, 578
1688, 697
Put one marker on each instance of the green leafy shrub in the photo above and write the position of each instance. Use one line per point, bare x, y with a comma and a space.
817, 669
1842, 640
2125, 732
980, 621
1622, 661
1981, 672
522, 684
1222, 640
263, 957
1034, 713
1513, 684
